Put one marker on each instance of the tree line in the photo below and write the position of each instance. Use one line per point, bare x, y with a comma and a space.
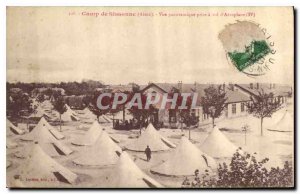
71, 88
213, 102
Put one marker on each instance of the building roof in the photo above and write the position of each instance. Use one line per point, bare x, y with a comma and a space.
276, 89
164, 87
236, 96
121, 88
233, 95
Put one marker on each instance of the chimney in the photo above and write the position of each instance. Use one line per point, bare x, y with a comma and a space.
231, 86
180, 86
251, 85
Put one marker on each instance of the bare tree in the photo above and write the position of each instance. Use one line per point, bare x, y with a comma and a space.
262, 106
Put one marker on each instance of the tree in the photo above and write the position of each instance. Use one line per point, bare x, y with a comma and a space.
17, 101
185, 116
40, 98
262, 106
60, 106
213, 102
141, 114
93, 106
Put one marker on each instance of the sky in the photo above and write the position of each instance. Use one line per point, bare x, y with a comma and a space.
47, 44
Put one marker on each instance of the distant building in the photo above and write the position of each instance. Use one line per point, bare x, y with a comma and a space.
237, 101
238, 98
281, 93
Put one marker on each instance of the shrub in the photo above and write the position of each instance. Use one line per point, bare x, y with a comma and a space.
245, 171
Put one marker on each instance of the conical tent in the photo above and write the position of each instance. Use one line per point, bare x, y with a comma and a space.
126, 174
70, 110
40, 166
8, 163
184, 160
91, 136
41, 123
107, 118
102, 119
47, 140
10, 143
103, 153
150, 137
217, 145
87, 113
69, 116
285, 124
40, 112
11, 129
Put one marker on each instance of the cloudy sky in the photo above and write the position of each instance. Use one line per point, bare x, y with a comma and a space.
49, 45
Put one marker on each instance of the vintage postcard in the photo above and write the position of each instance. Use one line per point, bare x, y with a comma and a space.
150, 97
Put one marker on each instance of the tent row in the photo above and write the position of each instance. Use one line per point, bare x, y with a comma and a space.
40, 166
48, 137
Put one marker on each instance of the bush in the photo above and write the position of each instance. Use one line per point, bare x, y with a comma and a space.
244, 171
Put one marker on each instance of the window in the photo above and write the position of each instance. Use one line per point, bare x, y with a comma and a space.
172, 116
242, 107
233, 108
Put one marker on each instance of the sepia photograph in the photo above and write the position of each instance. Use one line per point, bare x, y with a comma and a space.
150, 97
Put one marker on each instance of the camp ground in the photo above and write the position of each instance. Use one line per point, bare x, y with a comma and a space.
80, 149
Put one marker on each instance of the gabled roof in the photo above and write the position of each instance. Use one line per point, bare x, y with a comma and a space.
236, 96
163, 87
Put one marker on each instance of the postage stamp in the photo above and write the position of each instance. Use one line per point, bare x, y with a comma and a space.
249, 47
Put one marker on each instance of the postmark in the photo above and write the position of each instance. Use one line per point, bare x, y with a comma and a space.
248, 47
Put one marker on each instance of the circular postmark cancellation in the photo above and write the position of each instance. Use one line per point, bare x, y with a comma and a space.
249, 47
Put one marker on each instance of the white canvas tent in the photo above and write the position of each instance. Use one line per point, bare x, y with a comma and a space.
150, 137
126, 174
285, 124
87, 113
217, 145
40, 166
47, 105
40, 112
103, 119
43, 122
10, 144
184, 160
11, 129
91, 135
71, 110
107, 118
69, 116
103, 153
8, 163
47, 139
